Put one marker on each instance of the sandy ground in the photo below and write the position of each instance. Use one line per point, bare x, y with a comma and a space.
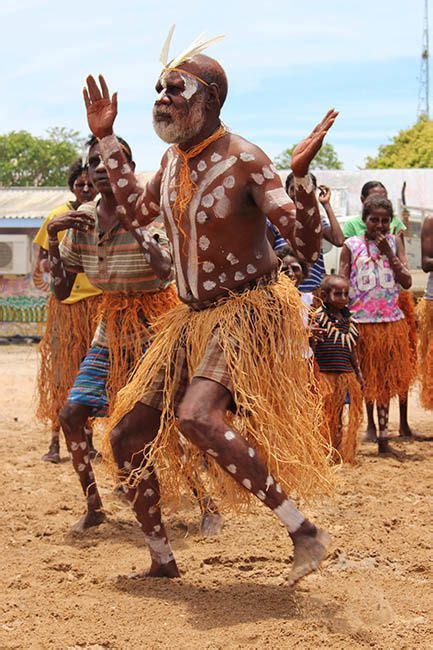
59, 591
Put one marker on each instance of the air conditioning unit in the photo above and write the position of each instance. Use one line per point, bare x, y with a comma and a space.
14, 255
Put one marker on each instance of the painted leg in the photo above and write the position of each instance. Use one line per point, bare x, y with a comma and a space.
201, 419
128, 438
73, 418
53, 453
384, 448
371, 431
211, 520
88, 430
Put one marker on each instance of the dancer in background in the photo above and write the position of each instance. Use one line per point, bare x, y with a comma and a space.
425, 315
70, 324
356, 226
375, 264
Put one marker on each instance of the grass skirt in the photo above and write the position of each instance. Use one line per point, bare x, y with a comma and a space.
68, 334
279, 410
383, 352
343, 430
425, 351
127, 318
406, 303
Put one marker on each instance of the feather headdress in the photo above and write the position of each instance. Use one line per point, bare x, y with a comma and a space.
198, 45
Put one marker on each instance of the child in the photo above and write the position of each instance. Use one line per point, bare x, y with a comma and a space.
340, 375
375, 264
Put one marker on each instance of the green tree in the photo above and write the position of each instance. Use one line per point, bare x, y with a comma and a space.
327, 158
29, 160
409, 148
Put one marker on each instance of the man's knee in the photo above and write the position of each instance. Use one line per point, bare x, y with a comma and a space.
72, 418
136, 429
195, 422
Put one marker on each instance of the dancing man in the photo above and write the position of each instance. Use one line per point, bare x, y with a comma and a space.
235, 345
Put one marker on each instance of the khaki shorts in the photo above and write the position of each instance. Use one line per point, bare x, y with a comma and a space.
212, 366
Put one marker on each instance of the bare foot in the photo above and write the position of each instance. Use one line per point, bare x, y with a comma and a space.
211, 524
310, 551
53, 454
88, 520
405, 431
370, 435
168, 570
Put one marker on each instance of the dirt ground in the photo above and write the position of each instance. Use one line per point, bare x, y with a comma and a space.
60, 591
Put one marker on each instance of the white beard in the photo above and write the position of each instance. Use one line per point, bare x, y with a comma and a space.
182, 129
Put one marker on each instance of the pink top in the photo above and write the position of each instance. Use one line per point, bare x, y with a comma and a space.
374, 291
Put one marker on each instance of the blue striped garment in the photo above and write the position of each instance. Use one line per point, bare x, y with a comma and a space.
89, 386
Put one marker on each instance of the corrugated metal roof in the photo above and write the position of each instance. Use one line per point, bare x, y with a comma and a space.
37, 202
31, 202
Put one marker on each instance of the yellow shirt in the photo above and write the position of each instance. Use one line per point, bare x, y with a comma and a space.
82, 288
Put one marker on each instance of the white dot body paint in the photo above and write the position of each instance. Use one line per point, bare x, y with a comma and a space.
232, 259
229, 435
289, 515
278, 488
305, 183
207, 201
222, 277
269, 482
203, 242
258, 255
173, 196
276, 198
211, 452
268, 173
258, 178
81, 467
83, 445
144, 210
218, 192
149, 492
194, 175
152, 510
261, 495
146, 474
299, 205
284, 221
215, 157
201, 166
239, 276
251, 269
126, 169
299, 242
314, 256
74, 446
231, 469
209, 285
154, 206
201, 217
86, 459
229, 182
247, 483
127, 464
208, 267
122, 182
157, 528
222, 207
112, 163
132, 198
246, 157
299, 225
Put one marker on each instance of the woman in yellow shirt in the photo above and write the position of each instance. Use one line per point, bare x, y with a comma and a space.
70, 323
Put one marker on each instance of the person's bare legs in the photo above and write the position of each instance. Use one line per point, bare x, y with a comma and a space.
202, 421
371, 431
53, 453
384, 448
73, 418
136, 429
405, 430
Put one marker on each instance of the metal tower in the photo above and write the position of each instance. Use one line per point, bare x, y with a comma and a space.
423, 96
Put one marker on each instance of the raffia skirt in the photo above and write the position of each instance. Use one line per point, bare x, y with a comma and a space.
68, 334
384, 355
278, 406
425, 352
407, 305
343, 431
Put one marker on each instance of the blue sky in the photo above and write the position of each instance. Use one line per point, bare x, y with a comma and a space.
286, 63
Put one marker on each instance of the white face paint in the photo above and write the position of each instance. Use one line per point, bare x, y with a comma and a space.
191, 86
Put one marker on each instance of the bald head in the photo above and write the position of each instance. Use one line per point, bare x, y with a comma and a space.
210, 71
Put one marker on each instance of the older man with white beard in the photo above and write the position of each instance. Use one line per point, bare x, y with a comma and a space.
226, 369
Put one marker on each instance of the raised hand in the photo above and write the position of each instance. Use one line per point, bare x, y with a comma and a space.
101, 110
305, 151
383, 245
77, 220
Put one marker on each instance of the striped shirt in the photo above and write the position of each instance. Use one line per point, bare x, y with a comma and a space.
331, 355
114, 260
279, 241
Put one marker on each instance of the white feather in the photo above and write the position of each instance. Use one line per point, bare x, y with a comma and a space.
165, 48
198, 45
